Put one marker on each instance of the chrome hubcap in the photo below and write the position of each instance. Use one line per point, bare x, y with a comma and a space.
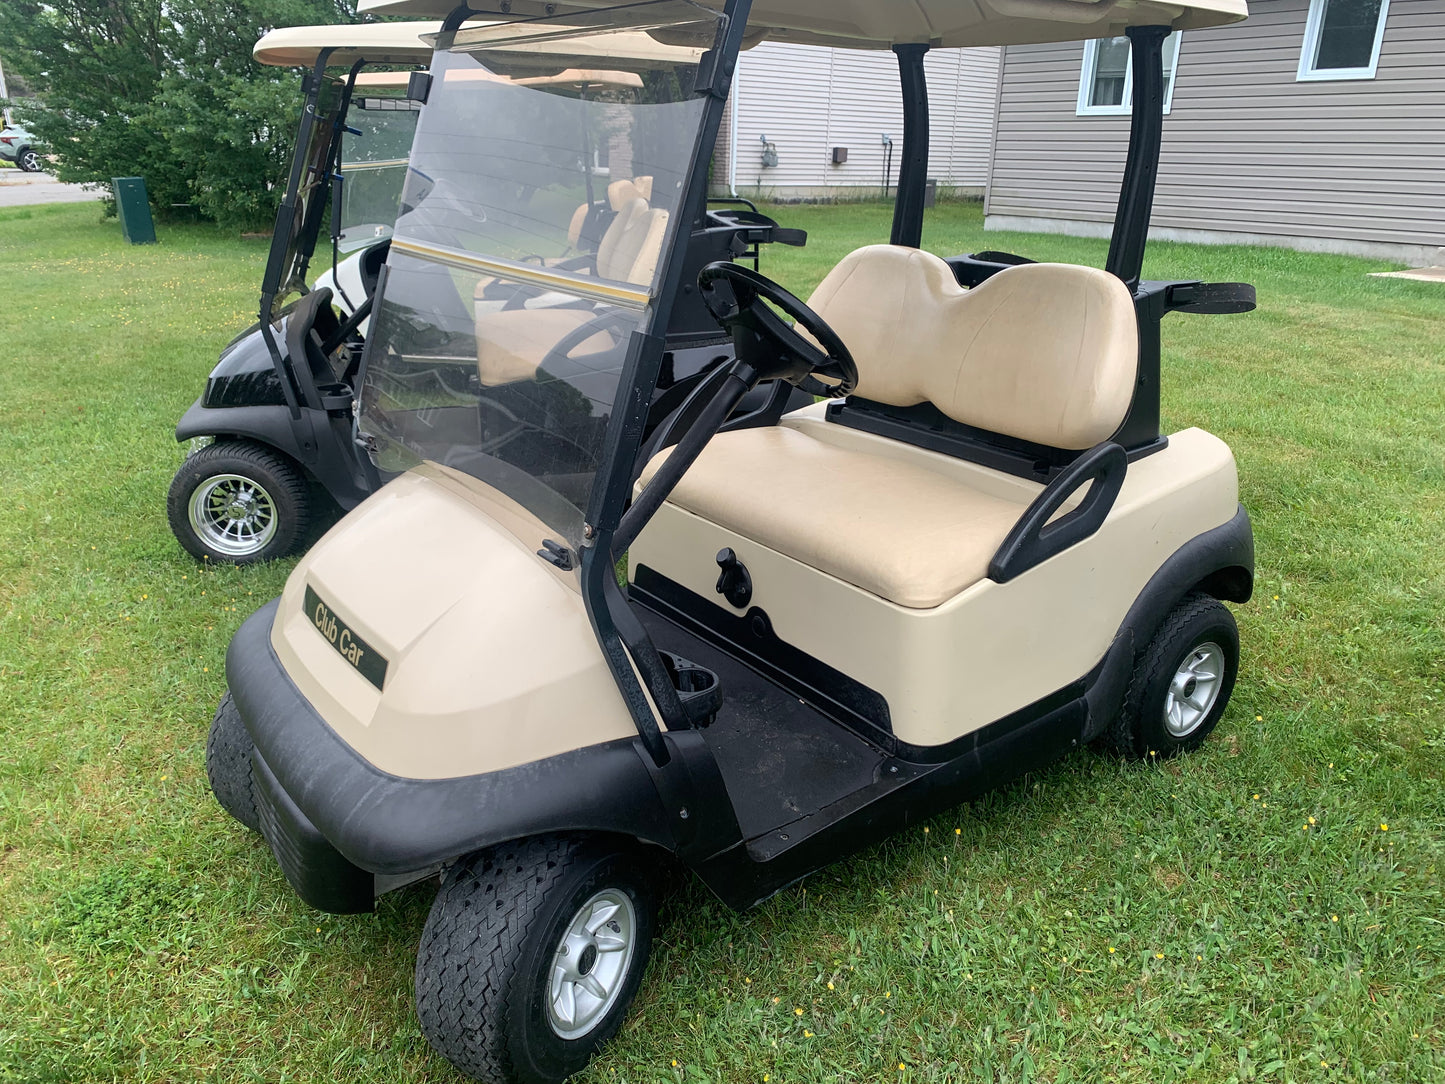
1194, 689
590, 966
233, 514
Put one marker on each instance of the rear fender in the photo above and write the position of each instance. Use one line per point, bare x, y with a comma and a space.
1219, 562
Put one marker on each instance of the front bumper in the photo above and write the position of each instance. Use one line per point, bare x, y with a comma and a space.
334, 820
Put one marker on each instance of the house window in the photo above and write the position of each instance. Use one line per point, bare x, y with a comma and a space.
1106, 84
1342, 39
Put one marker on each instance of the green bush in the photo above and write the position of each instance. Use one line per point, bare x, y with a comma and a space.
165, 90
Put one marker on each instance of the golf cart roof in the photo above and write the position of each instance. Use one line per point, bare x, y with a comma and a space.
377, 43
402, 43
871, 24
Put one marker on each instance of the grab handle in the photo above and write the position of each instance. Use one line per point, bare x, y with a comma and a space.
1034, 539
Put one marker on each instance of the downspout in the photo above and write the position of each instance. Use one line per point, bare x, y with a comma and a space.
733, 130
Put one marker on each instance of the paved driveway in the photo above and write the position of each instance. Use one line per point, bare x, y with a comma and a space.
18, 189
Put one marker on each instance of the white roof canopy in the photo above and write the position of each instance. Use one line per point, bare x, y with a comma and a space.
880, 24
377, 43
411, 43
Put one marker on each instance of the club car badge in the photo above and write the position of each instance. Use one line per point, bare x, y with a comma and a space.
351, 647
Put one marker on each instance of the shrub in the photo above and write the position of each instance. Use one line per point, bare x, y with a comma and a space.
165, 90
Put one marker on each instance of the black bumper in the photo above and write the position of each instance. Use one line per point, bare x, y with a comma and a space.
333, 819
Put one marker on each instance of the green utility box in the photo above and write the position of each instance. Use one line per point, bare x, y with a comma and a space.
133, 207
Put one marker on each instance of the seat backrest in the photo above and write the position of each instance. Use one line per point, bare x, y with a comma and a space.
578, 223
1041, 352
632, 244
621, 193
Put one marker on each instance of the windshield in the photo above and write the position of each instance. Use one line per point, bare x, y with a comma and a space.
544, 187
291, 247
374, 153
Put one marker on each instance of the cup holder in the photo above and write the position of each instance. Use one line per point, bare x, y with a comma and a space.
697, 687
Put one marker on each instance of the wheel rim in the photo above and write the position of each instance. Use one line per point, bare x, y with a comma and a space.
233, 515
1194, 689
590, 965
30, 161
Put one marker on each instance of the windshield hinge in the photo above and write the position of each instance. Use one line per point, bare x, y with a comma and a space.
557, 554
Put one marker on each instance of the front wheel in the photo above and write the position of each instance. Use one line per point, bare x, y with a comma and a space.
531, 956
1182, 682
28, 161
228, 764
238, 502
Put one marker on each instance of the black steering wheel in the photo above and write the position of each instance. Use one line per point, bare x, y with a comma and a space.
767, 342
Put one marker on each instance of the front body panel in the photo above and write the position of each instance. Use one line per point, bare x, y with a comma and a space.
490, 659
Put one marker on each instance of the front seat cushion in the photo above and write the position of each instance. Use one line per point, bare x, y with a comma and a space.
909, 534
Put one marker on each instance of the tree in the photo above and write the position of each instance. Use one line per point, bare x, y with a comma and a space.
166, 90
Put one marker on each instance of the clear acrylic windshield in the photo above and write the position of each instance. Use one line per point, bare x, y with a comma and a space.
374, 155
544, 187
291, 248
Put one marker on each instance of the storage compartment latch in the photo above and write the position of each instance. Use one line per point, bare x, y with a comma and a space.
734, 584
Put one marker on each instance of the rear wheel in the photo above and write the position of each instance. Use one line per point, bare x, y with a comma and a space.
28, 160
531, 956
1182, 683
228, 764
240, 503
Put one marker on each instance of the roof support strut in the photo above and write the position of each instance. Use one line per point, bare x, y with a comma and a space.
1141, 169
913, 170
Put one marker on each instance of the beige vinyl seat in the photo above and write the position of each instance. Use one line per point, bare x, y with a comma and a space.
512, 343
620, 193
1045, 353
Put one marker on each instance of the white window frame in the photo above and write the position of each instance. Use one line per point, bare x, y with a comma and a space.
1308, 73
1082, 106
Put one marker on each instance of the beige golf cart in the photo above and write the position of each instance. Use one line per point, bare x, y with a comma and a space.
976, 552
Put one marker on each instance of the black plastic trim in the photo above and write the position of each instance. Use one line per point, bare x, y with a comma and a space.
320, 874
329, 458
906, 792
1141, 166
1069, 697
925, 426
387, 824
1037, 536
1219, 562
909, 204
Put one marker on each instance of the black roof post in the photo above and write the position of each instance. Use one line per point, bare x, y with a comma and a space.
913, 169
1141, 169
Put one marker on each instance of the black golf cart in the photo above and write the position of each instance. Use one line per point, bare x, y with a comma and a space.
269, 437
975, 553
272, 442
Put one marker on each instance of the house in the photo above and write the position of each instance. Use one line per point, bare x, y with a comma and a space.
1315, 124
806, 122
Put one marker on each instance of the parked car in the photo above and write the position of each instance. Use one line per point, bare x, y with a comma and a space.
18, 146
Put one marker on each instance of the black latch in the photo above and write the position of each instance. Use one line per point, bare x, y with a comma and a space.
734, 584
557, 554
418, 87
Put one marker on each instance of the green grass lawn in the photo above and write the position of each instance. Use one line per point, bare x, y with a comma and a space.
1241, 914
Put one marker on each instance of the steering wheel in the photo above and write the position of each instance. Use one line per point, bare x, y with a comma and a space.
768, 343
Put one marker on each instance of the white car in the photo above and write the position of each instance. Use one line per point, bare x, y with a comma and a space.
18, 146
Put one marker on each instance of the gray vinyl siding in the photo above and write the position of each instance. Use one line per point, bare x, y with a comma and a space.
807, 100
1247, 148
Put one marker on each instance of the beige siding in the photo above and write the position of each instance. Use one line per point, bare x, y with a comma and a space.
1247, 148
807, 100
